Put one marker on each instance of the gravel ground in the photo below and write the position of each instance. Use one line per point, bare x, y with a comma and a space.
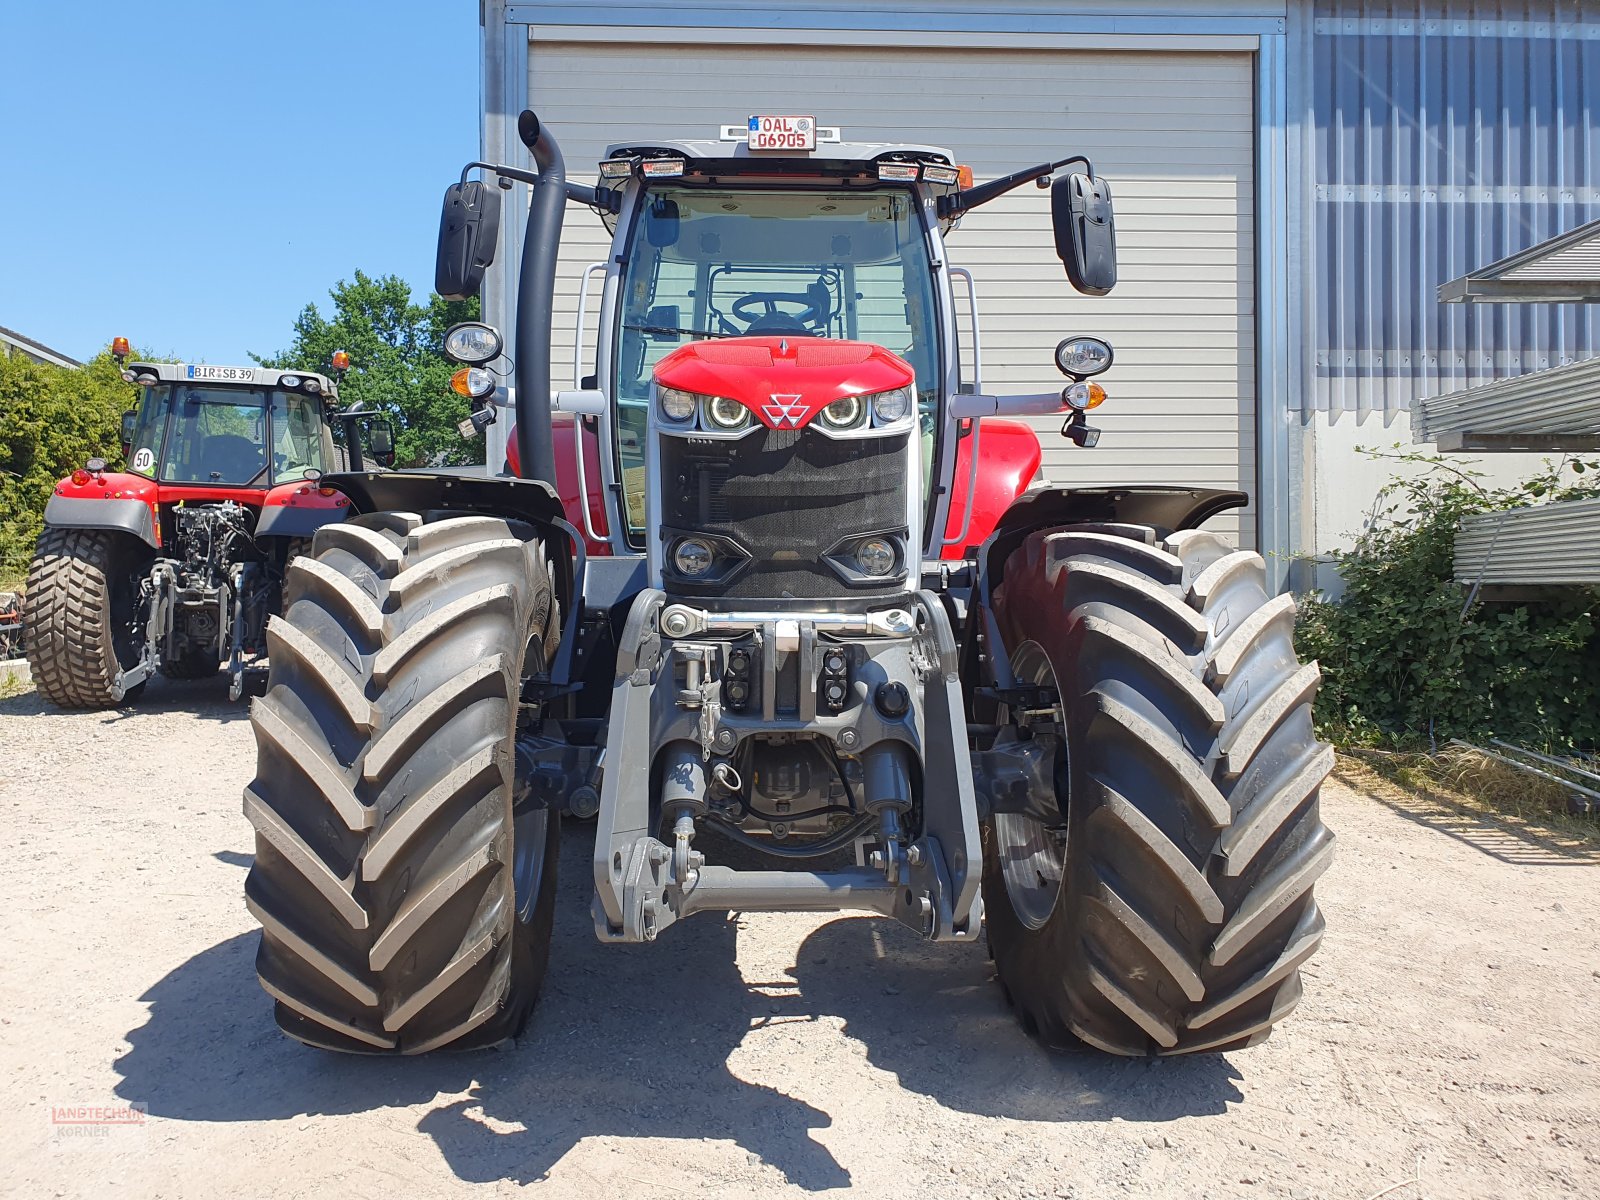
1447, 1047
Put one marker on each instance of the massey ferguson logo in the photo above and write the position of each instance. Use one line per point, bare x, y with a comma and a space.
785, 411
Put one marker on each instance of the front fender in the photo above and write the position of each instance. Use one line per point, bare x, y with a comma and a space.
469, 489
1008, 461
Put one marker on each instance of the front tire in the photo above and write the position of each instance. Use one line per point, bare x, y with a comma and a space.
403, 906
83, 616
1169, 910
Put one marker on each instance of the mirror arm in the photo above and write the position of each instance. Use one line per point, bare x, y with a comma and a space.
959, 202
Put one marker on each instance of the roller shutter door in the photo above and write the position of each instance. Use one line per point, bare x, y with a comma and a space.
1174, 133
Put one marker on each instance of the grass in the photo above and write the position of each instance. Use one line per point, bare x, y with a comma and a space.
1470, 781
14, 683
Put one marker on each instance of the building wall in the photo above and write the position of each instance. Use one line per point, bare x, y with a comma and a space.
1444, 134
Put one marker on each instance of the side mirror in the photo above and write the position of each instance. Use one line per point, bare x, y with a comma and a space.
380, 442
1086, 233
129, 420
469, 228
662, 223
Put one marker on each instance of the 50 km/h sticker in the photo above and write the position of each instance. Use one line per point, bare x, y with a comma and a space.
782, 133
144, 458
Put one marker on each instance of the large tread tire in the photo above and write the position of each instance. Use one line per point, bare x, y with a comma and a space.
388, 861
76, 584
1185, 904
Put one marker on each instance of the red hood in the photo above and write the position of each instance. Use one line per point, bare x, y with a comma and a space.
783, 381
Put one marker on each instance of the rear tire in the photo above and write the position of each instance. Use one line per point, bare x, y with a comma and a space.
1175, 915
81, 612
402, 906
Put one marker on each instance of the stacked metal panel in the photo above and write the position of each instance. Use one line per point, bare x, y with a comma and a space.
1447, 134
1557, 409
1549, 545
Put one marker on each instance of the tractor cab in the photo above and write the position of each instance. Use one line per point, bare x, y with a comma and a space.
227, 427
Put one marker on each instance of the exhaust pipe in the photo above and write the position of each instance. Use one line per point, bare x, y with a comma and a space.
536, 287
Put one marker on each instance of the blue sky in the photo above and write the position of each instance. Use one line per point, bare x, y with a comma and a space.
191, 175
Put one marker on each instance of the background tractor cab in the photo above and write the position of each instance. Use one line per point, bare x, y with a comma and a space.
184, 550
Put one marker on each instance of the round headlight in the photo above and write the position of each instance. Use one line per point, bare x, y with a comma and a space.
889, 407
128, 376
313, 387
677, 405
472, 342
1081, 357
726, 414
289, 381
875, 556
844, 414
692, 557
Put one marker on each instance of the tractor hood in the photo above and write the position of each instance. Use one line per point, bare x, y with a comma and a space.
783, 381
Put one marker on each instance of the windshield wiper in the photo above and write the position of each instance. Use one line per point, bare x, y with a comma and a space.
706, 333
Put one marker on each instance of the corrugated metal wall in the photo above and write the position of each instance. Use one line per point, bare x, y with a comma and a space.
1447, 134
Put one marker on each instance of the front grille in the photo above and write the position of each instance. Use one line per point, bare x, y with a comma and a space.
785, 496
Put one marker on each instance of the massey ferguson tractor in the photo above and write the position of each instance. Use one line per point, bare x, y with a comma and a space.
771, 585
175, 563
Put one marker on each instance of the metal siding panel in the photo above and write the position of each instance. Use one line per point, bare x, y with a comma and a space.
1552, 544
1447, 134
1173, 132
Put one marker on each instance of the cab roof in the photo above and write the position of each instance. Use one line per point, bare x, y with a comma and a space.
731, 149
268, 377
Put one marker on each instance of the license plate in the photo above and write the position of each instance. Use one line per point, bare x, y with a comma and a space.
782, 133
224, 374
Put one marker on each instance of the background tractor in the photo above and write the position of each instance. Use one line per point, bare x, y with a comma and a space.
175, 563
773, 581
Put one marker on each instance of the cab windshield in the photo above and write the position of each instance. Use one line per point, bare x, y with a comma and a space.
720, 263
226, 435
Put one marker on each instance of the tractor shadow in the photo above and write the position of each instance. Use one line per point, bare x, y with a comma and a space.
205, 699
637, 1041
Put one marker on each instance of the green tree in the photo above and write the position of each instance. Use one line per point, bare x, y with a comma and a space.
52, 420
397, 362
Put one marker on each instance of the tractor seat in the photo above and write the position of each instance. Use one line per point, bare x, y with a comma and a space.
235, 459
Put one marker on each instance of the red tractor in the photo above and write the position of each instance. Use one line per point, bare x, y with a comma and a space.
771, 579
175, 563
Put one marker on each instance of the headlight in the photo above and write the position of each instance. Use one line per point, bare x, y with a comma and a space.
692, 557
889, 407
844, 414
1081, 357
1083, 396
725, 414
472, 342
289, 381
875, 557
677, 405
313, 387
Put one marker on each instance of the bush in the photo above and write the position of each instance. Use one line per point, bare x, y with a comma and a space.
52, 419
1405, 659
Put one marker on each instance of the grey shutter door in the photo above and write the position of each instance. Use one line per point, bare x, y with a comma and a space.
1173, 132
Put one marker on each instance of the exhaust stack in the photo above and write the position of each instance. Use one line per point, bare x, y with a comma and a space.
536, 286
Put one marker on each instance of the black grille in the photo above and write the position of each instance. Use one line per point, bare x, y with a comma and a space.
785, 496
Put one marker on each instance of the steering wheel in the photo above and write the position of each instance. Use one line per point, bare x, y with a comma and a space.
744, 306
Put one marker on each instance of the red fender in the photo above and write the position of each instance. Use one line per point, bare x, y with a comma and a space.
1008, 461
566, 460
